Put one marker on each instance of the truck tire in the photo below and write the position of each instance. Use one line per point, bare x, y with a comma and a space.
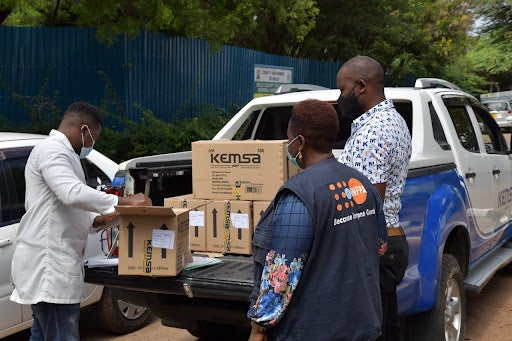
446, 321
120, 317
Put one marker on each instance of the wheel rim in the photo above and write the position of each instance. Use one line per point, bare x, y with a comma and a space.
130, 311
453, 311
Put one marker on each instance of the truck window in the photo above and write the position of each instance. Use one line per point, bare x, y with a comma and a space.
245, 131
461, 120
94, 177
437, 128
492, 136
12, 184
274, 124
405, 110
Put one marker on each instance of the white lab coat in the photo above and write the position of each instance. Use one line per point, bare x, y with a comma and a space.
47, 265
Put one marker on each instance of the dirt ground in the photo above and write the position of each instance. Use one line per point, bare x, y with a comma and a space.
489, 318
489, 315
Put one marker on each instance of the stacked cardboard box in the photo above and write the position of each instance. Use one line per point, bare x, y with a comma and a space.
236, 180
153, 241
239, 170
197, 219
233, 183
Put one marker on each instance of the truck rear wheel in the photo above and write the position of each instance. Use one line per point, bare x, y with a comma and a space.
447, 320
120, 317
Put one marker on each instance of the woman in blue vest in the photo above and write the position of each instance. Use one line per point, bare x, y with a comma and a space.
316, 249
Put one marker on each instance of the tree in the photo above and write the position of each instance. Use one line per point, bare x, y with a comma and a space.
216, 21
279, 27
437, 36
407, 37
423, 38
492, 54
6, 7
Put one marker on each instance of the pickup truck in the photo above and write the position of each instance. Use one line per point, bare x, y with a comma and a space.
456, 213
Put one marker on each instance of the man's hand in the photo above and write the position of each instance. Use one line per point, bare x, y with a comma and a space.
105, 220
138, 199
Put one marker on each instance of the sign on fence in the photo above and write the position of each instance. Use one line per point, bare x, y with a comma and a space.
268, 78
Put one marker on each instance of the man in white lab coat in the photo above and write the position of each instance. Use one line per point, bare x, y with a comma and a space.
47, 266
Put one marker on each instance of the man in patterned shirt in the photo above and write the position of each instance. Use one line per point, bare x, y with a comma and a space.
379, 146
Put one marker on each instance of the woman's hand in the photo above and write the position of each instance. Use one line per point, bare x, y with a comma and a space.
257, 336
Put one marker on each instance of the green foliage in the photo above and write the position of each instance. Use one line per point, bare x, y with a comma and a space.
153, 136
434, 37
149, 136
37, 12
123, 139
216, 21
424, 38
279, 27
42, 110
6, 124
492, 53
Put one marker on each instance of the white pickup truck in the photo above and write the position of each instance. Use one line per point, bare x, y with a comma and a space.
457, 207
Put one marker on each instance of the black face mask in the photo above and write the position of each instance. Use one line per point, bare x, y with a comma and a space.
348, 107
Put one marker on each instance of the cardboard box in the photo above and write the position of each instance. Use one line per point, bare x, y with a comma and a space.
230, 226
239, 170
258, 208
197, 227
153, 240
197, 218
180, 201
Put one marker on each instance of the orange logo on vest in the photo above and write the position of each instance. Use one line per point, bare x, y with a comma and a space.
352, 192
358, 191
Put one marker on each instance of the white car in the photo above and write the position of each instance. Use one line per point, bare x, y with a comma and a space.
113, 314
501, 110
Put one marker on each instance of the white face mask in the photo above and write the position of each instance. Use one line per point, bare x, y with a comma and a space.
86, 150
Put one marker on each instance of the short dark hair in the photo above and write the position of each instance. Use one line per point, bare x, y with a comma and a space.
366, 68
317, 121
85, 113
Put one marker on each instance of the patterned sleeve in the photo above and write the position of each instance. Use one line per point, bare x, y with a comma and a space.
374, 157
292, 236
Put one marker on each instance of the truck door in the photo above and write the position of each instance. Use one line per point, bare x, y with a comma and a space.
495, 147
475, 169
10, 312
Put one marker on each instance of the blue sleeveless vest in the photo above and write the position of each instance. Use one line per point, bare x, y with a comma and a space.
338, 295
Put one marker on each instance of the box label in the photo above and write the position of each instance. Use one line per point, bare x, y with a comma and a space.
163, 239
240, 220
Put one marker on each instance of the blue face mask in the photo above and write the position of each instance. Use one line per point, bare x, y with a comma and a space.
86, 150
292, 158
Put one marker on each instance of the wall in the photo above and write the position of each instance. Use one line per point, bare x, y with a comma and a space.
172, 76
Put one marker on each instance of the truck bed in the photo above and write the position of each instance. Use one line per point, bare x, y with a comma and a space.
230, 280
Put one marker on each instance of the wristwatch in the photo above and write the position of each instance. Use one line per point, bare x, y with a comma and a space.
258, 328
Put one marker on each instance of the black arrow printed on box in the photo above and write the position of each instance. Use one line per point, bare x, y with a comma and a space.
196, 228
227, 235
214, 214
239, 229
130, 228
